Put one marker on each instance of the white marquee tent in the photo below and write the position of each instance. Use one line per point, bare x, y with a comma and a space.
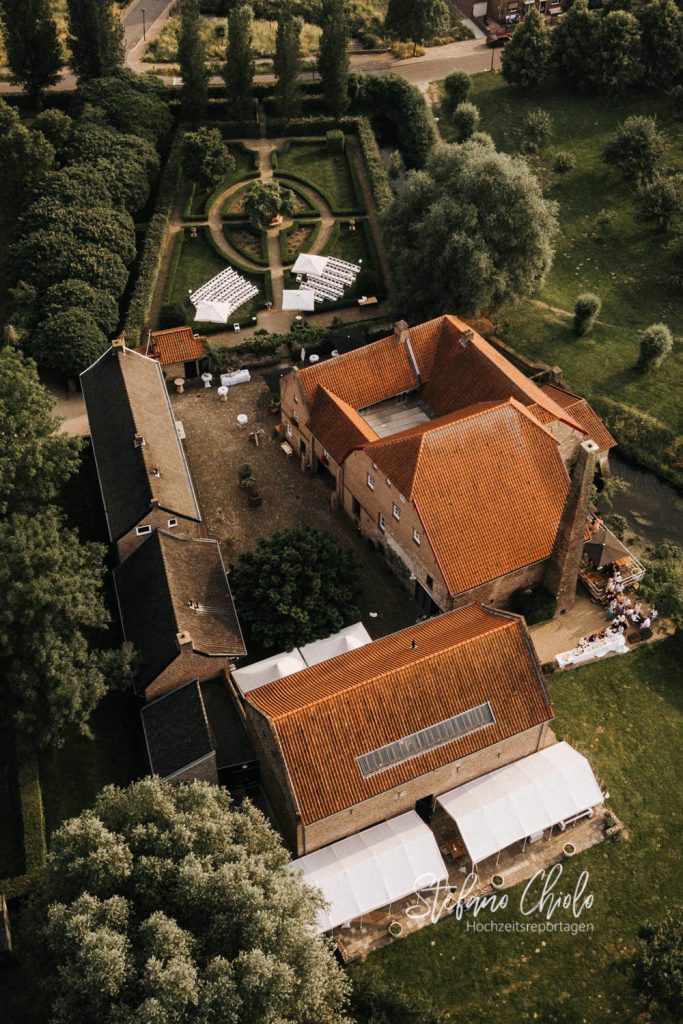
213, 312
267, 671
522, 799
293, 298
376, 867
347, 639
306, 263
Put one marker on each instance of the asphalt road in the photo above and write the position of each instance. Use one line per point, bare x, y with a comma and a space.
134, 22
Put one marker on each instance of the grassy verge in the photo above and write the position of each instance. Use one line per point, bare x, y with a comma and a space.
165, 46
328, 172
626, 714
629, 267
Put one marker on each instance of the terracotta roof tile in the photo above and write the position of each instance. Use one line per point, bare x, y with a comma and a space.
337, 426
579, 409
125, 395
177, 345
488, 484
326, 716
365, 376
157, 583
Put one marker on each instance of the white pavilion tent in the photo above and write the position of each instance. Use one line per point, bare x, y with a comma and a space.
267, 671
373, 868
293, 298
213, 312
553, 786
306, 263
347, 639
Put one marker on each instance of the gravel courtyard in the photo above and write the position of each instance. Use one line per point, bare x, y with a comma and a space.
216, 447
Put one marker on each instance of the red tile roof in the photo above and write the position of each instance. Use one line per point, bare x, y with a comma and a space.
488, 484
580, 411
365, 376
177, 345
327, 716
337, 426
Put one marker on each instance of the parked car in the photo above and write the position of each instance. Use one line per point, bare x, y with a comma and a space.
512, 19
498, 40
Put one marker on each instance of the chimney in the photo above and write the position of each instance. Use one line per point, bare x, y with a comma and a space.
118, 342
562, 571
184, 639
401, 331
466, 337
138, 441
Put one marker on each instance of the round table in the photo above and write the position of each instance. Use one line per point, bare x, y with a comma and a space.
207, 378
222, 393
242, 420
314, 358
179, 384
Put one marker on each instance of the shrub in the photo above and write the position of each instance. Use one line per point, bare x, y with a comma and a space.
643, 439
563, 162
536, 604
395, 164
602, 226
637, 149
379, 180
617, 524
367, 282
465, 121
457, 87
538, 126
660, 200
586, 309
676, 96
335, 140
244, 472
403, 105
656, 344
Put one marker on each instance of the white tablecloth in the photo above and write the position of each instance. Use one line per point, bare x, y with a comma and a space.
599, 649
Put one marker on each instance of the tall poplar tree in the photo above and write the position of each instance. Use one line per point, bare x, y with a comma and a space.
95, 38
239, 66
287, 65
333, 55
34, 54
192, 59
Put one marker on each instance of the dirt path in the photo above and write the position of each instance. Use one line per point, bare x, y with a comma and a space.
174, 226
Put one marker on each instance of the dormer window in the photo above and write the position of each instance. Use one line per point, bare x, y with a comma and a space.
143, 531
172, 523
396, 512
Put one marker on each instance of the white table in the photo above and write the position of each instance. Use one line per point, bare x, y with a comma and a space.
614, 645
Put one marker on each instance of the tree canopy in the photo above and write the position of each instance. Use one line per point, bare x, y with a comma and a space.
287, 65
35, 460
33, 50
526, 58
239, 66
192, 59
68, 341
168, 904
663, 581
25, 156
205, 156
659, 964
132, 104
333, 55
477, 219
266, 200
52, 605
636, 149
95, 38
297, 586
418, 20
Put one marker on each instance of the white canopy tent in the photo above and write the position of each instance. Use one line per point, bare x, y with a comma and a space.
347, 639
376, 867
293, 298
267, 671
213, 312
553, 786
306, 263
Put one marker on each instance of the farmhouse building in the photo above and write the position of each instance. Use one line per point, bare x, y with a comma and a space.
177, 610
179, 352
143, 473
451, 461
370, 734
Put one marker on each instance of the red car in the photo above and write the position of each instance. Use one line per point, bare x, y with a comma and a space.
499, 40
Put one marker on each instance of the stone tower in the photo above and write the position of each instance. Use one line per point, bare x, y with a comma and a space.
563, 567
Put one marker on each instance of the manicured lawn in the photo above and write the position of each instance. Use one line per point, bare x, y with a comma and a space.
630, 270
350, 246
315, 164
244, 165
626, 715
193, 263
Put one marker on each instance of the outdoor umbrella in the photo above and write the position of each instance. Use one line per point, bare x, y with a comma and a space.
603, 548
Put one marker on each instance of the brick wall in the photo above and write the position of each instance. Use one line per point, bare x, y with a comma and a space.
498, 591
273, 775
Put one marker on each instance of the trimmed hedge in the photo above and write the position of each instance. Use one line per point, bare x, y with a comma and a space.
154, 245
392, 97
338, 211
35, 845
245, 225
642, 439
294, 226
380, 185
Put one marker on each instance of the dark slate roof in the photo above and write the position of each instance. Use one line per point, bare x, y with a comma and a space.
230, 738
157, 586
125, 395
176, 730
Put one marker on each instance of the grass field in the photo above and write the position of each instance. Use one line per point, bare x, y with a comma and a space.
630, 270
315, 164
627, 716
244, 165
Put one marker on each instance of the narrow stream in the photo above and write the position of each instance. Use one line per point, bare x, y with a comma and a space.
654, 510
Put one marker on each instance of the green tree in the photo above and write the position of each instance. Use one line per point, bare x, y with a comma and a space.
192, 59
57, 128
287, 65
661, 27
576, 47
97, 225
205, 156
127, 162
77, 185
169, 904
465, 121
25, 156
52, 605
662, 584
133, 104
586, 309
35, 460
68, 341
659, 965
660, 201
95, 38
619, 66
376, 999
33, 51
537, 127
656, 343
100, 304
333, 55
637, 149
418, 20
478, 220
457, 87
265, 201
526, 58
297, 586
239, 67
